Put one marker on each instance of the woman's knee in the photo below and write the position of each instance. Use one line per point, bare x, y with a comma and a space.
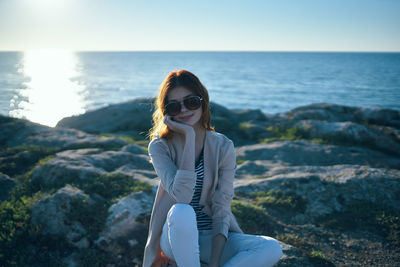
182, 214
273, 248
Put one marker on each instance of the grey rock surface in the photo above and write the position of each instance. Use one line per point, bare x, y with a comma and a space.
134, 149
18, 132
340, 113
132, 117
328, 189
303, 152
123, 230
51, 215
292, 257
86, 164
350, 132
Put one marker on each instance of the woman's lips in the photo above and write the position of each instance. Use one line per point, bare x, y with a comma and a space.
185, 118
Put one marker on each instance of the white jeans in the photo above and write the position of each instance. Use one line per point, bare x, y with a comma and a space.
182, 242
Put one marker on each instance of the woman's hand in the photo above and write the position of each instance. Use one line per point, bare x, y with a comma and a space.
178, 126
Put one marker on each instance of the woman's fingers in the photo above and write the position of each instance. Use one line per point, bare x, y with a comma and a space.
167, 120
177, 126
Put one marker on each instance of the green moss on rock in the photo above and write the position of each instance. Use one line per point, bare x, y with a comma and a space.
18, 160
17, 234
240, 160
364, 215
283, 133
92, 216
274, 198
278, 200
130, 139
254, 219
112, 186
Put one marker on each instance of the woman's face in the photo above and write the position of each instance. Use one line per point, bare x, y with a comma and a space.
187, 116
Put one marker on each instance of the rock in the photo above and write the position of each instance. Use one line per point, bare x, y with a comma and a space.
249, 115
134, 118
131, 117
250, 167
15, 161
350, 132
327, 189
71, 260
218, 111
378, 116
371, 127
340, 113
67, 168
248, 126
134, 149
292, 257
50, 214
6, 185
302, 152
124, 232
86, 164
251, 131
18, 132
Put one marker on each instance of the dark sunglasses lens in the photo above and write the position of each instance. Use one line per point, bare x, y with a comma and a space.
173, 109
192, 102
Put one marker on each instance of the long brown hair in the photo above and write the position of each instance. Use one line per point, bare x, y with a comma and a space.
175, 79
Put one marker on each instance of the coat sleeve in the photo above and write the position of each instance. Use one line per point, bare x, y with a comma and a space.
223, 195
178, 183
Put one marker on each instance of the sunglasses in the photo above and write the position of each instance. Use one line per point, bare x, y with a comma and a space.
173, 108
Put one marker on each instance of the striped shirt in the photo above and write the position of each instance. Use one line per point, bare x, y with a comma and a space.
204, 222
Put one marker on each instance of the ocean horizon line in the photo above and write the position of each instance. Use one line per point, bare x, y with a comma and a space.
197, 51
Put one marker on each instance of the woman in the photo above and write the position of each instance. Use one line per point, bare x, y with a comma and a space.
191, 222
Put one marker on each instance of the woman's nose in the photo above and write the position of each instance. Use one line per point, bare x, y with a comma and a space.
183, 108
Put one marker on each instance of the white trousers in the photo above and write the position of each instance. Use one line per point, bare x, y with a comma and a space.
182, 242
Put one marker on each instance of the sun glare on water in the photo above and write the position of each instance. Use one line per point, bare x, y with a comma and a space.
50, 93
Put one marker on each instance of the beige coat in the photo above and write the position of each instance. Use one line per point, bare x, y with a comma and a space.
177, 186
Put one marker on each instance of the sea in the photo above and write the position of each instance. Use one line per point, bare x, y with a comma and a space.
45, 86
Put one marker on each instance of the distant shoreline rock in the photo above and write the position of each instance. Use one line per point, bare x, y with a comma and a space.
337, 123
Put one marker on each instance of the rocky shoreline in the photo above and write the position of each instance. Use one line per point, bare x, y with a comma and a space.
324, 179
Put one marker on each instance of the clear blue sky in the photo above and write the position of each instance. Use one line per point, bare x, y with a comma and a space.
243, 25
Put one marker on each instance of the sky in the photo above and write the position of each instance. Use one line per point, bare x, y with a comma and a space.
188, 25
